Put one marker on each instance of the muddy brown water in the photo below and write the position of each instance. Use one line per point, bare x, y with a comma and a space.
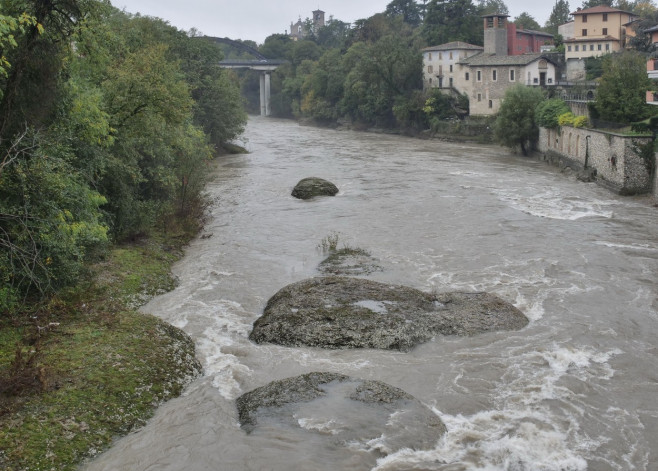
575, 390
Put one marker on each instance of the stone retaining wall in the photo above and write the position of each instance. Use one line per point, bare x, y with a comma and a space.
615, 157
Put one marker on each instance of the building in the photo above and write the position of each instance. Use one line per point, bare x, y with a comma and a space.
485, 73
440, 63
596, 31
652, 67
526, 41
298, 30
491, 75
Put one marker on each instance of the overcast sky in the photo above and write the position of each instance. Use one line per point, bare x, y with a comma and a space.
257, 19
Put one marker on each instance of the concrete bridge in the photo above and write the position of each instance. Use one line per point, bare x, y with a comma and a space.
261, 63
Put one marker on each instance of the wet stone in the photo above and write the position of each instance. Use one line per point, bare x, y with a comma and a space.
341, 412
343, 312
311, 187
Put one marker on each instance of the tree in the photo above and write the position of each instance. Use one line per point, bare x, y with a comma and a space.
490, 7
525, 21
409, 10
515, 125
548, 112
559, 16
621, 95
452, 20
596, 3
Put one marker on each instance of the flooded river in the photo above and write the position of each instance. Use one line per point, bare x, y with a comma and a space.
575, 390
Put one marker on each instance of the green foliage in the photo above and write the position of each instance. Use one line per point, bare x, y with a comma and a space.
9, 27
127, 122
452, 20
526, 21
566, 119
594, 67
580, 122
559, 15
515, 124
548, 112
621, 95
409, 10
490, 7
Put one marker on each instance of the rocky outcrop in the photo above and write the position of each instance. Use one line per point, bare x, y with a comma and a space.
344, 410
311, 187
343, 312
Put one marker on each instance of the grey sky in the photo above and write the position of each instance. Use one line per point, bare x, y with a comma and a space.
257, 19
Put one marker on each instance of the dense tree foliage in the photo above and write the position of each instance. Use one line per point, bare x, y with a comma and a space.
526, 21
516, 125
452, 20
106, 122
560, 15
621, 95
490, 7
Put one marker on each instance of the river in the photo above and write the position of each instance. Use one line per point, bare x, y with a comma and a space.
575, 390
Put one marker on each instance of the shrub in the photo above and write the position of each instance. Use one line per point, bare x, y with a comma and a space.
548, 112
566, 119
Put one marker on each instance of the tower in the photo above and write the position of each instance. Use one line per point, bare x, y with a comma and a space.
318, 19
495, 34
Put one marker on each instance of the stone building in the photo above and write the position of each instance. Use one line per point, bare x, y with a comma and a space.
298, 30
440, 68
491, 75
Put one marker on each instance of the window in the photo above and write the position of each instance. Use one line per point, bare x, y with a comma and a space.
585, 18
584, 32
535, 80
607, 46
490, 103
450, 67
479, 76
494, 75
605, 31
430, 80
576, 47
569, 48
598, 47
479, 96
429, 56
440, 55
550, 80
591, 47
430, 69
450, 81
466, 76
605, 17
511, 75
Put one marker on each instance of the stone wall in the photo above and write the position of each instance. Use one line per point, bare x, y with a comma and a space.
618, 165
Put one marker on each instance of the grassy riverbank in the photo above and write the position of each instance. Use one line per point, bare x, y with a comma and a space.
85, 367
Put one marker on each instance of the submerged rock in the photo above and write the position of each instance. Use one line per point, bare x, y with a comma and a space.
311, 187
341, 412
343, 312
349, 261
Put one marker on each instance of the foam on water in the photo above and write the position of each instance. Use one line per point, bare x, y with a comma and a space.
525, 431
553, 204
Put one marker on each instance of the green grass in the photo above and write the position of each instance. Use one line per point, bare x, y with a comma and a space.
99, 370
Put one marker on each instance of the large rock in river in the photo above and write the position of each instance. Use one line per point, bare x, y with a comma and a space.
331, 412
310, 187
343, 312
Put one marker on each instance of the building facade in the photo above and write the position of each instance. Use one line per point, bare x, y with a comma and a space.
440, 64
652, 67
526, 41
597, 31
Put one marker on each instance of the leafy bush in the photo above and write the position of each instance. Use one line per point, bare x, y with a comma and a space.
580, 121
566, 119
548, 112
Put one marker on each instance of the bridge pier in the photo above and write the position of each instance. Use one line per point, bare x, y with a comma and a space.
265, 94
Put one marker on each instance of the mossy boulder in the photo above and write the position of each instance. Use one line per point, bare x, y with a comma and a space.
340, 410
342, 312
311, 187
